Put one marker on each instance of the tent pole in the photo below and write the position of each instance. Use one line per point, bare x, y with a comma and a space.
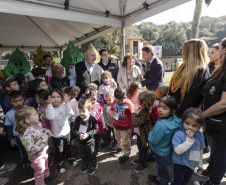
123, 40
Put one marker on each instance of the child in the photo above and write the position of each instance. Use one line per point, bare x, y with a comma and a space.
58, 81
38, 85
121, 110
106, 87
161, 136
188, 143
132, 92
72, 75
16, 100
34, 138
73, 93
85, 128
96, 111
9, 85
38, 73
91, 87
160, 92
141, 124
109, 121
58, 113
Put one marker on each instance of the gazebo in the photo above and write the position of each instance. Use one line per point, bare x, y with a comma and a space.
52, 23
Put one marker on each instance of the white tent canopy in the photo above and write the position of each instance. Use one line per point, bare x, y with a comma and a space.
52, 23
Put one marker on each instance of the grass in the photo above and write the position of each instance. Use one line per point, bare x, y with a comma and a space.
167, 78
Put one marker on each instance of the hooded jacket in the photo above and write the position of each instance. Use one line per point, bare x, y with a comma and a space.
161, 136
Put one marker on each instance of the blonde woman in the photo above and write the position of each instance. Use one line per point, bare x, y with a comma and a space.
129, 72
189, 79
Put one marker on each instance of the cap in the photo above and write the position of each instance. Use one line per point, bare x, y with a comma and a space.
57, 70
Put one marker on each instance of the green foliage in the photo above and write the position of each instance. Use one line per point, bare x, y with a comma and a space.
171, 36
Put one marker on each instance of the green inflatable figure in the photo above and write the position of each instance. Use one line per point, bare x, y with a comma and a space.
71, 56
10, 70
17, 64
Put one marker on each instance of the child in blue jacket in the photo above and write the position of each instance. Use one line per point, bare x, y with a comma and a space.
160, 138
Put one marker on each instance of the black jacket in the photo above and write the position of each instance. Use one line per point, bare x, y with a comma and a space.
92, 128
215, 125
194, 96
112, 67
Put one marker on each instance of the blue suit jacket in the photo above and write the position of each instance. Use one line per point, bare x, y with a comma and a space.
154, 75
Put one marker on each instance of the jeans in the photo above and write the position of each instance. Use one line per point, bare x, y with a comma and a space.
97, 142
23, 154
110, 129
62, 143
217, 164
162, 164
88, 154
142, 152
182, 174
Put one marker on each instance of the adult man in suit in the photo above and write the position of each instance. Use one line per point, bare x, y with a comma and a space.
154, 70
88, 71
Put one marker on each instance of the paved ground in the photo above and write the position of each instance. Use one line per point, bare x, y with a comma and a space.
109, 171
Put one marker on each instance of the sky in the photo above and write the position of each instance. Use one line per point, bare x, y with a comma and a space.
186, 11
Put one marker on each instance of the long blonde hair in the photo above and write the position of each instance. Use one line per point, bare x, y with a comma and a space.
20, 117
195, 57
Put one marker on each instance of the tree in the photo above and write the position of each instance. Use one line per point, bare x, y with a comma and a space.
197, 17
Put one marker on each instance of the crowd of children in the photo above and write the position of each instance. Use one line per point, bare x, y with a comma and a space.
44, 119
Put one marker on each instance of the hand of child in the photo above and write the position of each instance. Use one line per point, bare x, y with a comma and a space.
199, 171
12, 143
48, 133
114, 84
1, 130
106, 128
43, 116
85, 136
81, 137
39, 112
111, 113
49, 101
66, 98
190, 134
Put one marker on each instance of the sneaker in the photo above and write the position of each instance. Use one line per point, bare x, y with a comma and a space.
50, 160
123, 159
26, 168
109, 145
203, 183
114, 147
98, 152
73, 161
118, 152
92, 170
61, 167
51, 176
84, 169
153, 179
136, 161
139, 169
7, 167
3, 181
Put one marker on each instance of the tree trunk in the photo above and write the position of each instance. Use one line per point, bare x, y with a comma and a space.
196, 19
